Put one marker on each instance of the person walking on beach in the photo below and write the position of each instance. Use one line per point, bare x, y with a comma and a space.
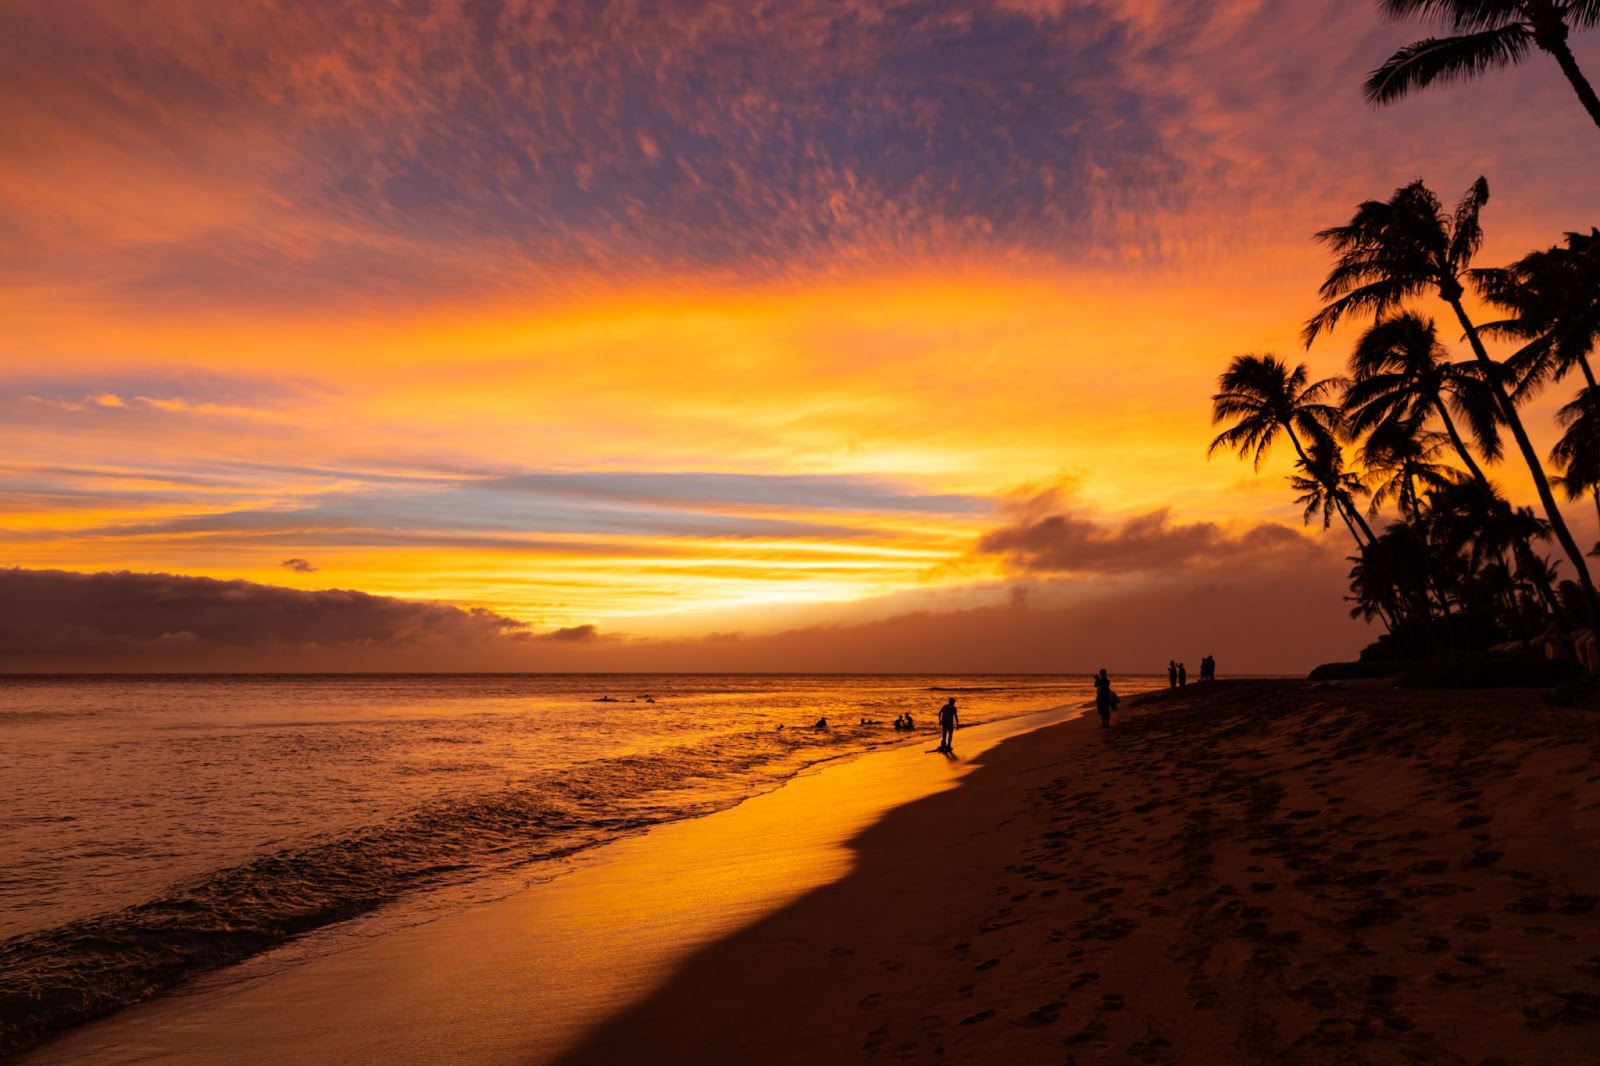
1172, 673
948, 722
1104, 698
1183, 676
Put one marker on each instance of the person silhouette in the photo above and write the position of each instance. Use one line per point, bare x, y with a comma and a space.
1104, 698
949, 721
1183, 676
1172, 673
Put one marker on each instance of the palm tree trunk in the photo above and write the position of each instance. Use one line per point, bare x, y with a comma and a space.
1460, 445
1339, 504
1522, 547
1580, 84
1508, 410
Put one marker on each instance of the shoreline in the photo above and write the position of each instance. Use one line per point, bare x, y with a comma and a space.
516, 979
156, 927
1242, 872
1250, 873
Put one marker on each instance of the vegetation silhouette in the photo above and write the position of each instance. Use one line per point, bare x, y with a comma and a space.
1486, 35
1398, 249
1412, 427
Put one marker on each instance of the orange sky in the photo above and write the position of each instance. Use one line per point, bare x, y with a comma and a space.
673, 324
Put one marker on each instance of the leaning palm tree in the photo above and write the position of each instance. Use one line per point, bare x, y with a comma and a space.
1578, 450
1402, 463
1486, 35
1396, 249
1326, 488
1553, 297
1399, 371
1386, 581
1263, 398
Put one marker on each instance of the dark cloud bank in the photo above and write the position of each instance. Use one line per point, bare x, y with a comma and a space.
1272, 616
1148, 543
59, 620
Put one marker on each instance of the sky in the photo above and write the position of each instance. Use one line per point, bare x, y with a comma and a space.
821, 335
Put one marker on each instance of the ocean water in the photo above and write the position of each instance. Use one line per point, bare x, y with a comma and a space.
153, 827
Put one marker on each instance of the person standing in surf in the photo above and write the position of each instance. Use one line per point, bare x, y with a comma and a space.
949, 721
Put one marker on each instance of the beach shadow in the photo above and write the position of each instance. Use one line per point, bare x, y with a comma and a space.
950, 754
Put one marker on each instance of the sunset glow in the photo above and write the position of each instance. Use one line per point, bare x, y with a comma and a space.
655, 322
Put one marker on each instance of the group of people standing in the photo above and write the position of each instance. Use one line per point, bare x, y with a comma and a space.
1178, 674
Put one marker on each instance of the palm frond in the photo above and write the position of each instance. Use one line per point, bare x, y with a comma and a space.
1443, 60
1583, 14
1466, 234
1376, 297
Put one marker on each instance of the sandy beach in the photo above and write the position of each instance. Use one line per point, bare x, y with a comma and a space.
1237, 873
1254, 872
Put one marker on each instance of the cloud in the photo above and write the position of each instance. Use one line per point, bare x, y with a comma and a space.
1064, 543
299, 566
1270, 618
573, 635
422, 145
675, 504
129, 620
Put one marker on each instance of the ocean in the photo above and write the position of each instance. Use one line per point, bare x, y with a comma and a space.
156, 827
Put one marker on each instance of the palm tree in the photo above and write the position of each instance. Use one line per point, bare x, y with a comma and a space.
1385, 580
1262, 397
1396, 249
1488, 34
1554, 300
1578, 450
1400, 371
1402, 464
1554, 297
1325, 486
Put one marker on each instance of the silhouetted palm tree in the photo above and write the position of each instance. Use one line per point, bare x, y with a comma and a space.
1400, 371
1487, 35
1325, 486
1554, 296
1387, 580
1578, 450
1262, 398
1396, 249
1402, 463
1554, 299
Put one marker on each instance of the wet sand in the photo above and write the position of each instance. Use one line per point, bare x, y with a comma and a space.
1240, 873
1245, 872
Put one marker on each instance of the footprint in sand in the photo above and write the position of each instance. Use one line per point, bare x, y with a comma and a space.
870, 1000
1046, 1014
1202, 992
1091, 1033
